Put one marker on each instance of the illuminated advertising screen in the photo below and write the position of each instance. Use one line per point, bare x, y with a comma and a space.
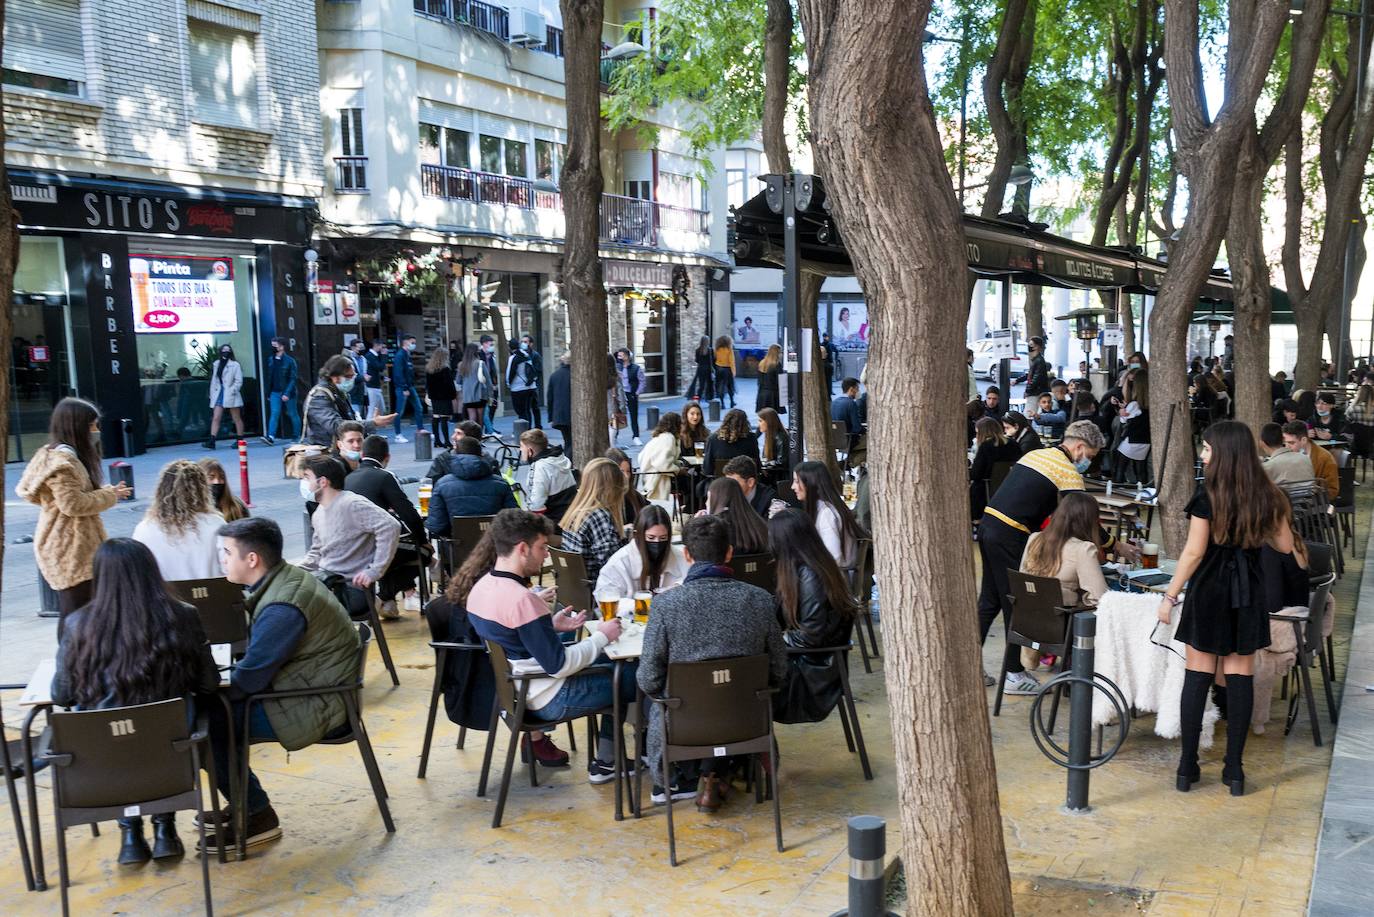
183, 295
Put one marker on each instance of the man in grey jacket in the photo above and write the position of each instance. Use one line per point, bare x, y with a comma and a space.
350, 535
710, 616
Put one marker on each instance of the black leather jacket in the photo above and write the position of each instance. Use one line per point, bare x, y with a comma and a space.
817, 623
813, 687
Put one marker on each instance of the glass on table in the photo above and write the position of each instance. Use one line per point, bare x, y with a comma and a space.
642, 602
608, 600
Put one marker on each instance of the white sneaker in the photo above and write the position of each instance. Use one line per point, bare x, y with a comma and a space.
398, 438
1021, 683
636, 442
411, 602
389, 612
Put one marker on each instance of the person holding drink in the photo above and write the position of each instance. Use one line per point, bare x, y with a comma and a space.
649, 563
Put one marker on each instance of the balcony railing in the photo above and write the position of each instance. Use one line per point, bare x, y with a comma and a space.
624, 220
488, 18
553, 42
350, 173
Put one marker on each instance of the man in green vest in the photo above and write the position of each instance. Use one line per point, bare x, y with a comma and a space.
300, 637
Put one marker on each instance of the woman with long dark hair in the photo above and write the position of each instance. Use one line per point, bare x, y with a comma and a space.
772, 444
64, 479
222, 500
1067, 550
1018, 430
1235, 513
226, 391
733, 437
133, 643
770, 368
474, 388
649, 562
694, 429
991, 446
817, 611
748, 534
823, 505
702, 383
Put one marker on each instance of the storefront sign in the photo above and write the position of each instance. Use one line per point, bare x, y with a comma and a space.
114, 350
348, 308
637, 274
1113, 335
183, 295
325, 309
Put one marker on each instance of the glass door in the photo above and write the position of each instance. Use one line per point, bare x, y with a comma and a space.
41, 372
644, 326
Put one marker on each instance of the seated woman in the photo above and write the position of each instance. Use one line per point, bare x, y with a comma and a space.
1135, 432
1067, 550
992, 447
693, 429
594, 521
133, 643
221, 500
823, 505
650, 562
732, 438
634, 500
659, 460
180, 528
1018, 430
817, 611
725, 498
772, 447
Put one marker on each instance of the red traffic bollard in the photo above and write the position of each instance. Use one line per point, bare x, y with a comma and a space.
243, 473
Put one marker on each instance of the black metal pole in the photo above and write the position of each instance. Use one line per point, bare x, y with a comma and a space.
1004, 365
867, 884
1109, 354
1081, 711
791, 294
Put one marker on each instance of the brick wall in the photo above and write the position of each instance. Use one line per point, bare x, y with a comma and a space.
691, 325
54, 123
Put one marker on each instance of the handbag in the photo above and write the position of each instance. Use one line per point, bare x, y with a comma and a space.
620, 420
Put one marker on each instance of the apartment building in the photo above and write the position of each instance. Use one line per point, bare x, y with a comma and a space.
165, 158
444, 130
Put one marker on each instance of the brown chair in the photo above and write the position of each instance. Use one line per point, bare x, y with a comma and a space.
1040, 621
351, 692
464, 533
849, 717
861, 591
511, 707
124, 761
570, 579
1307, 630
220, 604
713, 709
757, 570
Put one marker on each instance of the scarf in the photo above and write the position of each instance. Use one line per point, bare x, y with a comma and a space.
703, 570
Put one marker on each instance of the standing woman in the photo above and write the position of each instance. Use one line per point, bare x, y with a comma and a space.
725, 369
180, 527
772, 446
1235, 514
473, 385
63, 478
226, 391
221, 500
616, 405
839, 530
442, 394
593, 523
701, 386
770, 367
133, 644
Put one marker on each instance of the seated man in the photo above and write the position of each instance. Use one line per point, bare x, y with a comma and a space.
372, 480
504, 610
710, 616
1326, 423
350, 535
992, 403
1323, 465
1283, 465
348, 443
471, 488
300, 637
761, 497
845, 408
551, 485
443, 462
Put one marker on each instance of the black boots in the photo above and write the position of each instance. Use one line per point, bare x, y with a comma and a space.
1240, 695
166, 844
133, 849
1191, 705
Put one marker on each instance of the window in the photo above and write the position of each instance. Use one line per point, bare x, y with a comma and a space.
737, 186
430, 154
516, 158
490, 148
351, 131
643, 190
224, 74
43, 46
444, 146
678, 190
504, 157
548, 158
456, 153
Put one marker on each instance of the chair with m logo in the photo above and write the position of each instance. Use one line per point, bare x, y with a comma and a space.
220, 605
129, 761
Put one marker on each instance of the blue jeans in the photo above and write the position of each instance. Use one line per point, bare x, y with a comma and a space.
404, 399
488, 415
585, 693
259, 727
274, 406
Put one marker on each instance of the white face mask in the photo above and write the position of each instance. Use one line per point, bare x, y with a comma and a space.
307, 492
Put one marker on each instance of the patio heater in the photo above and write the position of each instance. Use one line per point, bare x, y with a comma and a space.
1213, 323
1087, 324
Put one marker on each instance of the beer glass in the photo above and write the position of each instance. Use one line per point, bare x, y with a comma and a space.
642, 600
609, 602
1149, 556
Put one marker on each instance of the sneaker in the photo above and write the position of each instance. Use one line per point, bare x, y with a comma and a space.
659, 796
988, 680
398, 438
1021, 683
410, 602
636, 441
599, 772
388, 611
546, 753
269, 440
224, 816
262, 827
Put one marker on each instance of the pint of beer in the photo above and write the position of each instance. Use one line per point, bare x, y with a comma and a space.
426, 490
1149, 556
642, 600
701, 450
609, 602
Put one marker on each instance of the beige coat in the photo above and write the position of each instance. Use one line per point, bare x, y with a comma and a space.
1080, 572
69, 526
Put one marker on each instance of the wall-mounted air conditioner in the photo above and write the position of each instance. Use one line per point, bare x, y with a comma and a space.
528, 28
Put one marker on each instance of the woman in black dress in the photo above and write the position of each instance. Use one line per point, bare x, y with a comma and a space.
1234, 515
770, 367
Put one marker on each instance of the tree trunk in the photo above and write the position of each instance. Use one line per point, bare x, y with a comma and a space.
581, 187
1250, 281
9, 257
1125, 314
815, 419
1002, 85
1035, 311
777, 69
877, 143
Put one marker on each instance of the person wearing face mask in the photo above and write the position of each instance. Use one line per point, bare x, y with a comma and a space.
536, 375
350, 535
375, 362
649, 562
327, 404
348, 443
226, 391
1326, 424
357, 352
631, 376
222, 500
494, 394
281, 390
403, 390
1027, 497
1038, 376
520, 381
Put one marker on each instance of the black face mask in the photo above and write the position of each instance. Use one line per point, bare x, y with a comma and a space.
216, 493
656, 550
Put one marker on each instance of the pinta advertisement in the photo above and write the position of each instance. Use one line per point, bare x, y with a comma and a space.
183, 295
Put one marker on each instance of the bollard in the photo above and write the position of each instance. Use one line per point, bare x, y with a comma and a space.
520, 426
1080, 710
867, 883
651, 417
126, 431
713, 410
243, 473
48, 605
123, 471
424, 446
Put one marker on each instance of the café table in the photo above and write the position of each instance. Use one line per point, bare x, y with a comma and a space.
627, 649
37, 697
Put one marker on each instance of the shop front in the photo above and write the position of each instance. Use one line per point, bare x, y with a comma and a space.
125, 293
643, 293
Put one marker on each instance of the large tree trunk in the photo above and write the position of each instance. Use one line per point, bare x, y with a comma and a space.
1035, 312
1250, 281
777, 69
877, 144
1002, 86
1207, 151
9, 257
581, 186
815, 419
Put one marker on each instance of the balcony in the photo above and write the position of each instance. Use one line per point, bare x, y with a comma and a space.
350, 173
488, 18
624, 220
